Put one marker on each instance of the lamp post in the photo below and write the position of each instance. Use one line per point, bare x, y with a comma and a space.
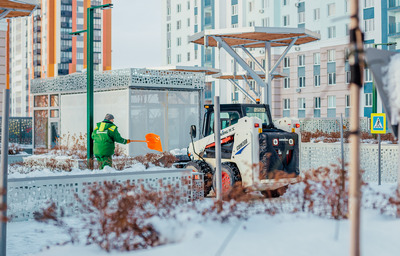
90, 74
374, 93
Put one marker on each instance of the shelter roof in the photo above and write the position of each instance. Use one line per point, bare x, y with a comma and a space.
17, 8
241, 76
256, 37
207, 71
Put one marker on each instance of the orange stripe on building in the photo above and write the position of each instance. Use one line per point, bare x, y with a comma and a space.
86, 4
72, 66
106, 37
51, 39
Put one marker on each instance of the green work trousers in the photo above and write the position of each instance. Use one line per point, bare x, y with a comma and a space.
104, 160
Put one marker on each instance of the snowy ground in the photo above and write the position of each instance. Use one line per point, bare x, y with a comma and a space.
282, 234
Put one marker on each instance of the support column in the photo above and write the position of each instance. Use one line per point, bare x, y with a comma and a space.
267, 91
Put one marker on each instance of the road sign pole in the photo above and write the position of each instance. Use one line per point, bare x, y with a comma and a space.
217, 136
379, 159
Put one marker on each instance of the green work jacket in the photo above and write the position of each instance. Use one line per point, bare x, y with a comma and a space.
105, 135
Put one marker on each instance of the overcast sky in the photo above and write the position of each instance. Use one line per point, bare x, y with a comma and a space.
136, 33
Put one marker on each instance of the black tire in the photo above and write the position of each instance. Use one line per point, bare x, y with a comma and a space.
230, 176
202, 167
275, 193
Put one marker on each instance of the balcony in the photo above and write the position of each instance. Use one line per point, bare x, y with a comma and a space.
66, 2
394, 4
66, 14
37, 51
66, 37
37, 40
66, 25
394, 29
66, 48
37, 29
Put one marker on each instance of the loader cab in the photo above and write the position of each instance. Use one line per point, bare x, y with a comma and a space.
231, 113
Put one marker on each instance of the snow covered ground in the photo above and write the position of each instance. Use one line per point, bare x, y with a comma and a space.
190, 234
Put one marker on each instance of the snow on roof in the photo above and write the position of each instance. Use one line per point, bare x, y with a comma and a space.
207, 71
242, 75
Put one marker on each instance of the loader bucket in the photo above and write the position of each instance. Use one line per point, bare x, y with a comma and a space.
153, 142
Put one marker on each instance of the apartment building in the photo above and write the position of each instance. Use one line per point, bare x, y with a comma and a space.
318, 73
41, 46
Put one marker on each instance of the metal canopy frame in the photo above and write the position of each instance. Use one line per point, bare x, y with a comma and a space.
255, 37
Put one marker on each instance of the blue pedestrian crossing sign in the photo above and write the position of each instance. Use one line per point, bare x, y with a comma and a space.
378, 123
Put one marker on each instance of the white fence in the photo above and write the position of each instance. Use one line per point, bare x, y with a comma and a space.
27, 195
314, 155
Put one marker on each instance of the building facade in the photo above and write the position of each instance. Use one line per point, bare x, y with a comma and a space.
41, 46
318, 73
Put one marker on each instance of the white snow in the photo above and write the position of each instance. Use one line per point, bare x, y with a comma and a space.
20, 171
191, 234
393, 82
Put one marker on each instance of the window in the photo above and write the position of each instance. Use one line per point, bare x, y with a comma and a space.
188, 56
317, 58
286, 104
168, 11
168, 27
178, 8
286, 20
367, 75
317, 14
332, 78
347, 29
332, 32
235, 25
178, 58
234, 9
331, 55
302, 81
188, 22
317, 80
368, 99
347, 99
195, 54
332, 101
368, 3
168, 59
178, 24
252, 23
250, 6
302, 103
317, 102
168, 43
301, 60
348, 77
331, 9
346, 6
286, 82
285, 2
302, 17
252, 64
286, 62
188, 5
178, 41
369, 25
252, 85
265, 22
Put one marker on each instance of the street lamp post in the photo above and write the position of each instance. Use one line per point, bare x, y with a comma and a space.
374, 93
90, 75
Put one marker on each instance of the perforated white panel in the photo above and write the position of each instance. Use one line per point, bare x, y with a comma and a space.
27, 195
314, 155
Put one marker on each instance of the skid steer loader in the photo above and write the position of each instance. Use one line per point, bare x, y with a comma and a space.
254, 153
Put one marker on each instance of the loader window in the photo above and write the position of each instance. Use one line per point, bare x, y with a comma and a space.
228, 118
259, 112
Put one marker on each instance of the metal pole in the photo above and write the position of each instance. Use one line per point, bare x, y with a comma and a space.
4, 153
342, 142
374, 94
398, 142
356, 61
267, 96
379, 160
90, 73
4, 170
217, 137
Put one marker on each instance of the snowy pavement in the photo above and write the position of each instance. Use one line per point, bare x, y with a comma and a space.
282, 234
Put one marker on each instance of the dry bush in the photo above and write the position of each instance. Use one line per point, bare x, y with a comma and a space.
165, 159
324, 192
40, 151
49, 162
116, 215
335, 137
14, 149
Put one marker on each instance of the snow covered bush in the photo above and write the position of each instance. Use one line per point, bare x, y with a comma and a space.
117, 215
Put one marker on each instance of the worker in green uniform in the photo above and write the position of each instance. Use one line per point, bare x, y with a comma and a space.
105, 135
